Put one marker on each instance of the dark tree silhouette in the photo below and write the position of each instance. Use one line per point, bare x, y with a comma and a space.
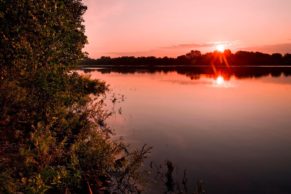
195, 58
53, 135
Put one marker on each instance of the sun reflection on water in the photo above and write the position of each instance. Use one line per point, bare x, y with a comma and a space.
221, 82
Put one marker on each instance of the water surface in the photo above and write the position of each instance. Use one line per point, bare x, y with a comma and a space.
235, 134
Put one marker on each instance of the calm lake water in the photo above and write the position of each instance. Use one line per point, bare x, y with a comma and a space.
234, 134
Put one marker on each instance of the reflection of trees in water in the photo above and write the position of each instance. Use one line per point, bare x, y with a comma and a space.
194, 73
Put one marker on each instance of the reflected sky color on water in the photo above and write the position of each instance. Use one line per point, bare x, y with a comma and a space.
235, 134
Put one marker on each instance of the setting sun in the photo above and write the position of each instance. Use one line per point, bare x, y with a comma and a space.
220, 47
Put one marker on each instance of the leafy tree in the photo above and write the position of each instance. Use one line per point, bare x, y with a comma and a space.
53, 134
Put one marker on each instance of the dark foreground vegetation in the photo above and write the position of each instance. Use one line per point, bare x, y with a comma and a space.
195, 58
53, 134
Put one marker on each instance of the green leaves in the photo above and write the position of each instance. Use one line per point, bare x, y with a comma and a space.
40, 41
53, 134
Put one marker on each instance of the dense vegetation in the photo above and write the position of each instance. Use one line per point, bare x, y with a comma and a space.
53, 134
241, 58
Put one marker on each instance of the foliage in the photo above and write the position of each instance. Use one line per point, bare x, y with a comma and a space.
52, 131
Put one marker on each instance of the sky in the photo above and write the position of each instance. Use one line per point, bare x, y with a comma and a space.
174, 27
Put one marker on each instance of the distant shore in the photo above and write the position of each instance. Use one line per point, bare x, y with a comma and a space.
195, 58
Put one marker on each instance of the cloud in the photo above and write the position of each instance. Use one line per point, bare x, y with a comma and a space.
188, 46
274, 48
132, 53
173, 50
202, 46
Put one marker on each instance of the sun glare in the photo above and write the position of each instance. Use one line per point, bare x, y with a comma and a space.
220, 47
219, 80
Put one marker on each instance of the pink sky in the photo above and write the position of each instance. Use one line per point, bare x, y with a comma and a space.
174, 27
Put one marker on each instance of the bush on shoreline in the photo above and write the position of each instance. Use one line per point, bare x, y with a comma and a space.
53, 134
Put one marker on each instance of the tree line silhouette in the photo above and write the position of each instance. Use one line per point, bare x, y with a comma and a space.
195, 57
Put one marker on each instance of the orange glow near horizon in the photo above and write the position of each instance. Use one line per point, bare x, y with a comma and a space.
172, 28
